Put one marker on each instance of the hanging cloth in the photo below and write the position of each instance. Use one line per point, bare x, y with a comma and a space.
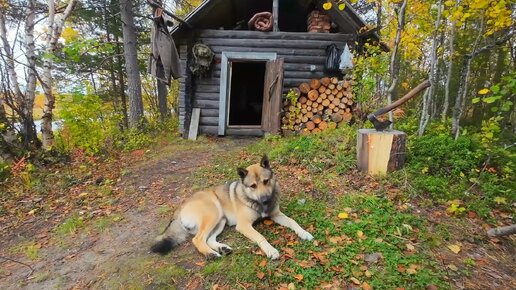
164, 60
346, 59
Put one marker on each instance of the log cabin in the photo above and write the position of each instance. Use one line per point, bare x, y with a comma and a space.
242, 92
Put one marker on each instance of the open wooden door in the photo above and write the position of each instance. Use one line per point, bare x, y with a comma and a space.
272, 89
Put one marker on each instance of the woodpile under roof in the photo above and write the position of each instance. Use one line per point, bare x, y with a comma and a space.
318, 105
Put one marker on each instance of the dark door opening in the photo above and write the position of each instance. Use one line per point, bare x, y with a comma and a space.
246, 97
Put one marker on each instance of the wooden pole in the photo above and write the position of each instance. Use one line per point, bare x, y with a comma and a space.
275, 15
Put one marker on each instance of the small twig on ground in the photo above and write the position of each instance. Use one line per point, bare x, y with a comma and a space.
26, 265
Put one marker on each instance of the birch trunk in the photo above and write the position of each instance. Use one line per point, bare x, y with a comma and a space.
460, 100
55, 26
134, 88
395, 61
451, 44
22, 105
429, 94
30, 94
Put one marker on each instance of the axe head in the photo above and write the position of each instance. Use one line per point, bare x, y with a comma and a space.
378, 125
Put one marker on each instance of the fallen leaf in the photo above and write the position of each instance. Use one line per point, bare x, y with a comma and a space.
366, 286
360, 234
431, 287
215, 287
306, 264
410, 247
368, 274
291, 286
472, 215
299, 277
454, 248
32, 211
268, 222
355, 280
378, 240
263, 263
260, 275
452, 267
343, 215
83, 194
200, 264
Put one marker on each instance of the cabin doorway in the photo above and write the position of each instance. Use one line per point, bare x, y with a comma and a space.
246, 94
250, 93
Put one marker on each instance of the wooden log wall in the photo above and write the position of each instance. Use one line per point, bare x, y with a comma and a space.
301, 51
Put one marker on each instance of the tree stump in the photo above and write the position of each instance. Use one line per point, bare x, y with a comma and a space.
380, 152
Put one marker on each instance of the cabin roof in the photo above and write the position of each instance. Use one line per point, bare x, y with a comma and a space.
212, 14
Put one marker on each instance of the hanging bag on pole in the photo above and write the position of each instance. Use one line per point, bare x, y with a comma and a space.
346, 59
332, 59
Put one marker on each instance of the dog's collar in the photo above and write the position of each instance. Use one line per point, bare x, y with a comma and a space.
254, 204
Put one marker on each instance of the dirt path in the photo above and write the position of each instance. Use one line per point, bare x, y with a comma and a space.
118, 255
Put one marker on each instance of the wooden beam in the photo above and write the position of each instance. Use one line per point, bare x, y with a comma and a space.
275, 15
194, 124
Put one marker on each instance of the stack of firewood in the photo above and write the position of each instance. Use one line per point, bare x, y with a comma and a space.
318, 21
318, 105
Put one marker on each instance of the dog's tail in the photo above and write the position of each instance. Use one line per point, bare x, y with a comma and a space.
171, 237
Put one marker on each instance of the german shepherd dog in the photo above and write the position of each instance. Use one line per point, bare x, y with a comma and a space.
239, 203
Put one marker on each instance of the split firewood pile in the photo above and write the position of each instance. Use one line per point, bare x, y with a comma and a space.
316, 106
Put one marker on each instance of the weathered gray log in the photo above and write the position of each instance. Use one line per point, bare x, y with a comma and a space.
502, 231
239, 34
281, 51
271, 43
209, 121
206, 104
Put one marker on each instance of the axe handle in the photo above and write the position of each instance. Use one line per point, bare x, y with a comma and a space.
402, 100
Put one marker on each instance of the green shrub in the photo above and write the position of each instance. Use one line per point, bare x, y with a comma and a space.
88, 123
4, 171
328, 149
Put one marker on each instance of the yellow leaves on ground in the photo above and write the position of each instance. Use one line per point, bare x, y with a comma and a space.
299, 277
454, 248
455, 207
500, 200
327, 6
343, 215
268, 222
355, 280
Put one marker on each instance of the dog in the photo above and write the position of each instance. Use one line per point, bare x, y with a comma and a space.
240, 203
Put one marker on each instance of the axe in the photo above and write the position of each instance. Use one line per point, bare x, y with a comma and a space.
382, 125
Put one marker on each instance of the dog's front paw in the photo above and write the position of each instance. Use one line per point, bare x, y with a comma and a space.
306, 236
272, 253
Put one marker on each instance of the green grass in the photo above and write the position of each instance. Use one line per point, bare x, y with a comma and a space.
70, 225
29, 249
385, 230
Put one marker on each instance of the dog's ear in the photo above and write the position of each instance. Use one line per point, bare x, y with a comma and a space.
242, 172
265, 162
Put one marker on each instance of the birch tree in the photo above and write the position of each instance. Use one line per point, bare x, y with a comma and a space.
20, 101
55, 24
428, 96
395, 61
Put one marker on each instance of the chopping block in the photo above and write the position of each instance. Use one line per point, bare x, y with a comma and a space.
380, 152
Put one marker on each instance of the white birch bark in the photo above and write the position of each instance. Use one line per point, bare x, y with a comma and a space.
429, 94
395, 62
55, 26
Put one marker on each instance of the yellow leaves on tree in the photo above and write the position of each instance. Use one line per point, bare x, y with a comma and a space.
69, 34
